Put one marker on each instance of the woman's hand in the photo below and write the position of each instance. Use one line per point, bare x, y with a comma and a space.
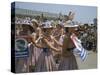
51, 46
35, 42
51, 37
71, 16
32, 38
57, 42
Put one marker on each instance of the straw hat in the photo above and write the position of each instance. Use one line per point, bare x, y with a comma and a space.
47, 25
69, 24
26, 22
34, 20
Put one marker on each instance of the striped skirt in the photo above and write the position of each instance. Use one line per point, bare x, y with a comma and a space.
45, 62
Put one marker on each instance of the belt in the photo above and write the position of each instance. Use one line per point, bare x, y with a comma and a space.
70, 49
45, 50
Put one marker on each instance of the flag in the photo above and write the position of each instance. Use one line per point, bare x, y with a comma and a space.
79, 48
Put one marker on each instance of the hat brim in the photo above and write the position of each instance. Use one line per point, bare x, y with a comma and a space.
71, 26
35, 21
47, 27
25, 24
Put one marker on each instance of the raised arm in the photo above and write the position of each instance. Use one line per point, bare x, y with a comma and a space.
57, 42
71, 16
36, 44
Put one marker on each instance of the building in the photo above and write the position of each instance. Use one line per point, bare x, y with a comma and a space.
95, 21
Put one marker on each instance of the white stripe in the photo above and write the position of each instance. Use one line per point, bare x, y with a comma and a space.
83, 57
82, 52
76, 44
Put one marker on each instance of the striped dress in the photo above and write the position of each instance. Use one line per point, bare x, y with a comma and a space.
68, 63
68, 60
45, 61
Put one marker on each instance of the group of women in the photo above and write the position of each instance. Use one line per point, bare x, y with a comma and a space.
47, 42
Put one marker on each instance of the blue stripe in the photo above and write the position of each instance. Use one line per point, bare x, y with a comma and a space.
84, 55
82, 52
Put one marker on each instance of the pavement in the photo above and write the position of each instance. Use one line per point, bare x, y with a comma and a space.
89, 63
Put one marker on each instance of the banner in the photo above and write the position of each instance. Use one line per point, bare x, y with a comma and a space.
21, 48
79, 48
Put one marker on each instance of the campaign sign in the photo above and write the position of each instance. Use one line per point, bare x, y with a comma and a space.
21, 48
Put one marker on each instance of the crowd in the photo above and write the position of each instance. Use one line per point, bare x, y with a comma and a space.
89, 37
87, 34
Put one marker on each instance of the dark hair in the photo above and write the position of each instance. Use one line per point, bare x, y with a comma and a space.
66, 29
31, 29
44, 29
28, 27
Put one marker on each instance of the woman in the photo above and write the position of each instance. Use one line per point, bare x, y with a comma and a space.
22, 63
45, 61
35, 51
68, 60
58, 39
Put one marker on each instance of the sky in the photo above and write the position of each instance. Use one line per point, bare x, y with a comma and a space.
83, 14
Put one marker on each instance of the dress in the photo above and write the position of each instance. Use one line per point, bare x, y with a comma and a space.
45, 61
68, 63
68, 60
35, 52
